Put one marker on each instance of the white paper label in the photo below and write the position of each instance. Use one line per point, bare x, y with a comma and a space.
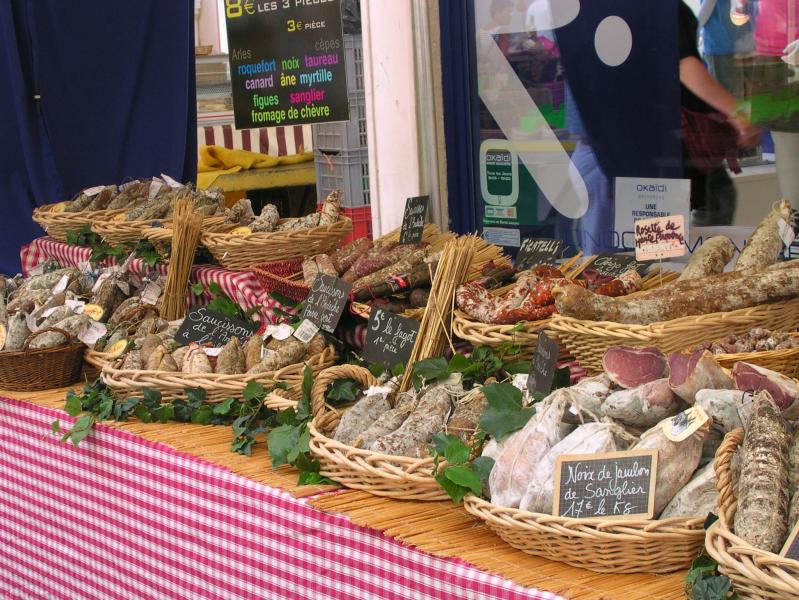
155, 187
61, 285
786, 233
266, 352
151, 293
170, 182
682, 426
75, 306
93, 191
745, 407
124, 286
279, 332
212, 351
92, 333
306, 331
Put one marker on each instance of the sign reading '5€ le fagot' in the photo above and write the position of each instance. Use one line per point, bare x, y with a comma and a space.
286, 62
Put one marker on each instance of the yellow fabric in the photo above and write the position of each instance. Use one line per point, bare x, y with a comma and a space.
217, 160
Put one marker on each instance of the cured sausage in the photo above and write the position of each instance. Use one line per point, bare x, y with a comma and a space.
709, 259
765, 245
721, 293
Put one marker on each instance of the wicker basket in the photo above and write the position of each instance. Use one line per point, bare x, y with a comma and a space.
284, 277
163, 235
240, 252
782, 361
587, 341
121, 231
57, 224
395, 477
127, 383
754, 573
610, 546
525, 334
33, 370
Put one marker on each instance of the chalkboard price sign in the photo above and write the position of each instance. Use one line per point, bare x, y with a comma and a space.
389, 338
614, 265
538, 251
206, 326
414, 219
286, 62
791, 547
326, 301
542, 367
613, 485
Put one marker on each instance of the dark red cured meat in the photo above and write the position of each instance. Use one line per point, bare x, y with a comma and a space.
783, 390
633, 367
537, 313
548, 272
690, 373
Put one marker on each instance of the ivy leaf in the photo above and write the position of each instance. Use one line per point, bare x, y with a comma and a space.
304, 405
142, 413
430, 369
377, 370
343, 391
195, 397
455, 491
105, 408
282, 440
203, 415
281, 299
151, 397
253, 391
303, 440
440, 442
482, 466
181, 411
521, 367
224, 407
164, 413
710, 519
503, 396
286, 417
242, 445
55, 426
463, 476
398, 370
73, 406
81, 429
712, 588
311, 478
458, 364
456, 452
198, 289
498, 423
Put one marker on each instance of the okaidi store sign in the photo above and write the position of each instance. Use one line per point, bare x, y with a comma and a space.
642, 198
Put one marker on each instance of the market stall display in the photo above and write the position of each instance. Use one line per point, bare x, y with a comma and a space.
249, 240
778, 351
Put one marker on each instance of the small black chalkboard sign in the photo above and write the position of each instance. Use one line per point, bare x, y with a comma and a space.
613, 485
326, 301
206, 326
414, 219
538, 251
614, 265
791, 547
389, 338
542, 367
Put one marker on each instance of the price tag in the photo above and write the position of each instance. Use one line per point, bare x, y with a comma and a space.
279, 332
93, 191
100, 281
306, 331
155, 187
613, 485
683, 425
538, 251
326, 301
389, 338
75, 306
93, 332
614, 265
414, 219
660, 238
542, 367
787, 234
212, 351
171, 182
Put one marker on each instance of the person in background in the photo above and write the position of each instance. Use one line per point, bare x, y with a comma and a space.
724, 43
713, 195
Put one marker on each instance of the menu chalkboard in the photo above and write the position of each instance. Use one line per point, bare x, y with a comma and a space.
613, 485
326, 301
414, 219
206, 326
286, 62
542, 367
791, 547
538, 251
389, 338
614, 265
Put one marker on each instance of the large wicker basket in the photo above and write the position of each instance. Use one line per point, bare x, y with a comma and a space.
587, 341
754, 573
240, 252
525, 334
609, 546
127, 383
782, 361
163, 235
395, 477
58, 223
119, 231
33, 370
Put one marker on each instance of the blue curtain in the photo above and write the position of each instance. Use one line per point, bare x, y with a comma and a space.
117, 100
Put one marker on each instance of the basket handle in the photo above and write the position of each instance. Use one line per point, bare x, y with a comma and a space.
723, 466
34, 335
328, 376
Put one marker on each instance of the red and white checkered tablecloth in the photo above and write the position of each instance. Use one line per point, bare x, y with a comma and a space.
120, 517
241, 286
277, 141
